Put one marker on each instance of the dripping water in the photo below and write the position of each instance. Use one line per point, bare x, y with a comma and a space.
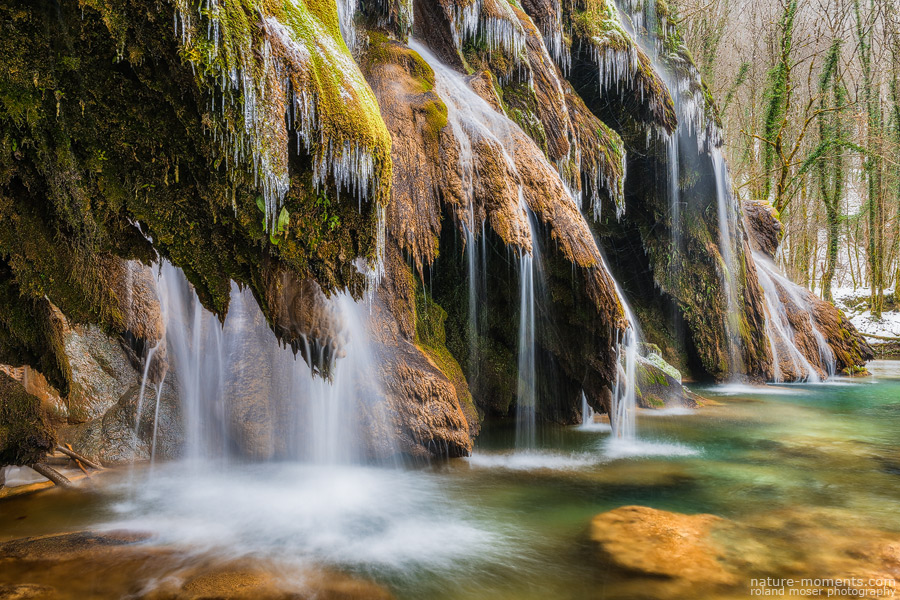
526, 397
587, 413
624, 398
727, 233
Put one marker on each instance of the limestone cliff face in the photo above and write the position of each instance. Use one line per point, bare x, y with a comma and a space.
427, 154
472, 170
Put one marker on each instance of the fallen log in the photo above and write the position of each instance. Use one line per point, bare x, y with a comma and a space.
881, 337
52, 474
79, 458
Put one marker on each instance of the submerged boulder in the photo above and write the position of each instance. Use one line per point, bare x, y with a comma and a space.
646, 542
68, 564
822, 552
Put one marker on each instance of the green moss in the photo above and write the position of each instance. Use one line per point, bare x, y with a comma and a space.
94, 159
521, 105
25, 433
431, 338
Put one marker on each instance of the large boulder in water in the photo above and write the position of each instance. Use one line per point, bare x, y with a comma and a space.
646, 552
660, 544
658, 384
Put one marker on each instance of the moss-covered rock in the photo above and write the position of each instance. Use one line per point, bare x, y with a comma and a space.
243, 142
26, 434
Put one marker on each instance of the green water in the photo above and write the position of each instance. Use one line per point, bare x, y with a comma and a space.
506, 526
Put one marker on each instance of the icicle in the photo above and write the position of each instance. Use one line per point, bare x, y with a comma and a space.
263, 111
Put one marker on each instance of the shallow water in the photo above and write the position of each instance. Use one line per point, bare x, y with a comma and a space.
502, 524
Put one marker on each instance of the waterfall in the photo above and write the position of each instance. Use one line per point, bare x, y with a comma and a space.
780, 329
526, 390
587, 413
624, 398
694, 123
148, 360
727, 214
673, 163
195, 350
526, 398
471, 119
690, 108
242, 393
473, 280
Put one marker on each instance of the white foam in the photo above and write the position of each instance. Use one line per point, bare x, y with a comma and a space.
341, 515
675, 411
595, 427
616, 448
533, 461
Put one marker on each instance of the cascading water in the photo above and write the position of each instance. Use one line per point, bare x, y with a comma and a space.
472, 268
587, 413
781, 332
526, 398
728, 215
526, 390
243, 393
695, 130
674, 176
148, 361
689, 106
624, 399
471, 119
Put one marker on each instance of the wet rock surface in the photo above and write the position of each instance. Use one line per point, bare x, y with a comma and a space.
659, 385
763, 227
709, 556
121, 564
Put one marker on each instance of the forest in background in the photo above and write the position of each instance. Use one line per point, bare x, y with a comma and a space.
809, 97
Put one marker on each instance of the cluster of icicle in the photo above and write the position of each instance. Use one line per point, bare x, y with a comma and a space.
499, 31
571, 171
681, 76
346, 9
686, 89
553, 38
284, 91
616, 66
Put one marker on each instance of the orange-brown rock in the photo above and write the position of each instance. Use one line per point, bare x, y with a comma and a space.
85, 564
510, 177
647, 542
666, 554
764, 228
